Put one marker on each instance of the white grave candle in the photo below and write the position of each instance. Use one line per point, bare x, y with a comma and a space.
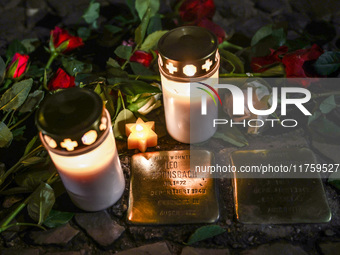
76, 130
188, 57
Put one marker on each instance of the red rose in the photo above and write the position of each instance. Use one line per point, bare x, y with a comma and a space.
64, 42
261, 64
216, 29
142, 57
294, 61
194, 10
17, 66
61, 80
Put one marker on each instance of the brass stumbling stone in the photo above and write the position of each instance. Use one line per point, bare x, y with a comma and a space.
164, 190
296, 196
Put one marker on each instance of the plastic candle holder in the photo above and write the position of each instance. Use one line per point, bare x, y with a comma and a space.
75, 128
188, 56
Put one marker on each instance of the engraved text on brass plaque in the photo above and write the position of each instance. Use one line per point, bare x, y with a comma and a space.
163, 189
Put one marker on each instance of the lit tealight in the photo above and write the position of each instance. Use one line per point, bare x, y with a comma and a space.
141, 135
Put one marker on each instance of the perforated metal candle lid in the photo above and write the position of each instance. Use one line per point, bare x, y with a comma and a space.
188, 52
71, 119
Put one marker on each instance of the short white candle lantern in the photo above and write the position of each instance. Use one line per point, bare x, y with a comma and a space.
75, 128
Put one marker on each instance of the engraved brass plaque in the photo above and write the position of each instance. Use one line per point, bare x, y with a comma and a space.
163, 189
278, 200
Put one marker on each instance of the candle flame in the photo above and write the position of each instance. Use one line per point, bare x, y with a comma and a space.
139, 127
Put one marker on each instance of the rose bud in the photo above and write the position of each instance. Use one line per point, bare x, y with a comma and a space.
61, 80
195, 10
63, 42
294, 63
261, 101
142, 57
18, 66
129, 42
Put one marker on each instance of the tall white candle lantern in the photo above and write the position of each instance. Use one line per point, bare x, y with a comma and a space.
188, 59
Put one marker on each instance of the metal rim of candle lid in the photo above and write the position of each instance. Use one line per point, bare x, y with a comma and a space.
199, 43
68, 120
193, 79
80, 150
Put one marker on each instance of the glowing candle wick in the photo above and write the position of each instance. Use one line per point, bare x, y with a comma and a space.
139, 127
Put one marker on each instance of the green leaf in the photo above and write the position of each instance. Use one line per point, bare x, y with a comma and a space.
233, 60
107, 99
29, 146
45, 78
57, 218
18, 133
15, 190
85, 78
2, 70
14, 97
118, 107
112, 63
33, 100
6, 135
35, 71
41, 202
134, 107
328, 104
204, 233
262, 33
84, 32
30, 44
231, 135
152, 40
132, 99
123, 51
15, 47
124, 117
116, 72
135, 87
33, 161
334, 180
131, 5
143, 5
139, 69
33, 178
92, 12
113, 29
267, 37
276, 70
313, 117
155, 24
327, 63
73, 66
2, 169
141, 29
